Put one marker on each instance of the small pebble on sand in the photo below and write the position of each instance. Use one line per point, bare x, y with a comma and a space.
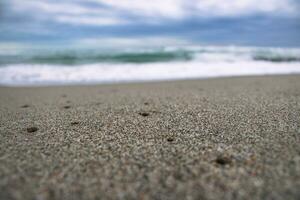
144, 114
25, 106
32, 129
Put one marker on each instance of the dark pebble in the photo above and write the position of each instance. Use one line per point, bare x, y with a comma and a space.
67, 107
170, 139
223, 160
146, 103
25, 106
32, 129
74, 123
144, 114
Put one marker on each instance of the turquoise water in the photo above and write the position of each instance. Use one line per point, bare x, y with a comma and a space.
78, 57
81, 57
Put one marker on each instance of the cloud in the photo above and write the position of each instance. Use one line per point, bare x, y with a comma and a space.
178, 9
117, 42
106, 22
243, 7
154, 8
91, 21
48, 7
76, 13
114, 12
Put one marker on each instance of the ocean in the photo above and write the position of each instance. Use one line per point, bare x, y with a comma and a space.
57, 66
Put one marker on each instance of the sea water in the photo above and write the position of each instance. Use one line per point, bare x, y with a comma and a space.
48, 66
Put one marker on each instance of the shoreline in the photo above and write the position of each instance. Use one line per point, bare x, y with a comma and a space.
229, 138
138, 82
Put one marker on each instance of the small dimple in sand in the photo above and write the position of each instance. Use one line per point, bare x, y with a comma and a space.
74, 123
144, 114
32, 129
67, 107
223, 160
170, 139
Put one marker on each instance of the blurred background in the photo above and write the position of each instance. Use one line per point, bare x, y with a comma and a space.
45, 42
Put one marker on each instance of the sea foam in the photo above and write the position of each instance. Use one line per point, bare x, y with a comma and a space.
109, 73
91, 67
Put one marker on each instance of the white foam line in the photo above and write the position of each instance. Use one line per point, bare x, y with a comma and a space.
108, 73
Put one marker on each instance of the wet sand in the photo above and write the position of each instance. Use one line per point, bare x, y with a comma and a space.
226, 138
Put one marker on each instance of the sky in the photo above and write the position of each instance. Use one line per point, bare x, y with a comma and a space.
155, 22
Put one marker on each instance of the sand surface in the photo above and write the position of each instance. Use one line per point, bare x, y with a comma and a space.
227, 138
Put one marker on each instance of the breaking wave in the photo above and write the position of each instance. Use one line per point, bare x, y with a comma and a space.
38, 67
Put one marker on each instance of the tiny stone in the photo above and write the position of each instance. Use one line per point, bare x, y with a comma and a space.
170, 139
74, 123
25, 106
146, 103
144, 114
67, 107
32, 129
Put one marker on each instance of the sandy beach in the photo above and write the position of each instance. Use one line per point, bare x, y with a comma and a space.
226, 138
